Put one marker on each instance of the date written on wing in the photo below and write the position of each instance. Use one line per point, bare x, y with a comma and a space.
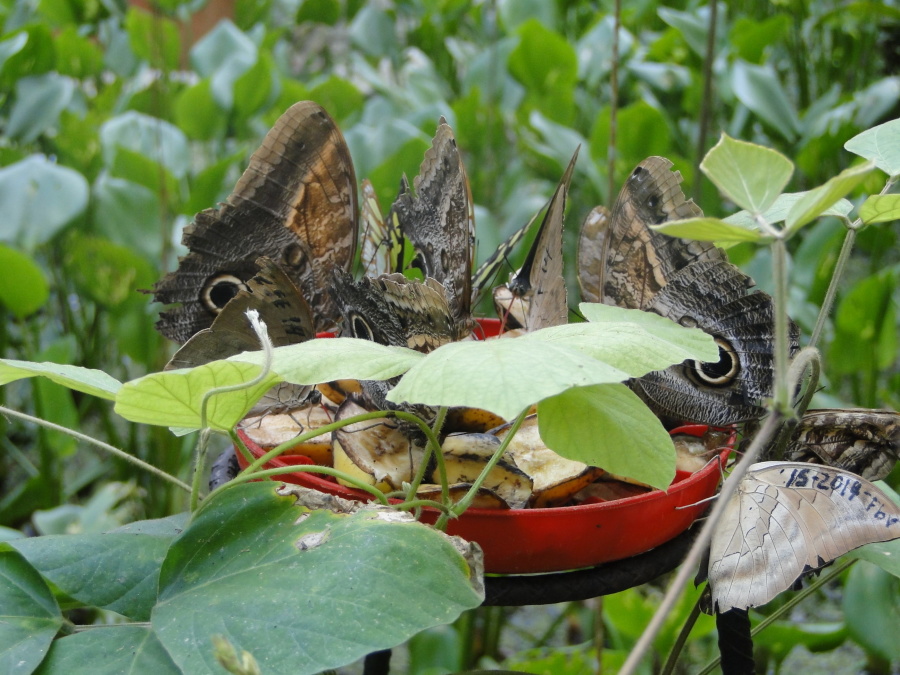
842, 486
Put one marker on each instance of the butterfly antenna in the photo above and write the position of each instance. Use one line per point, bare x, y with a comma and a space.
702, 501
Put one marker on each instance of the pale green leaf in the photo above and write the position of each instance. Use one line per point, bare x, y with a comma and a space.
173, 398
782, 206
330, 359
86, 380
750, 175
708, 229
880, 144
504, 376
816, 201
880, 209
632, 347
609, 426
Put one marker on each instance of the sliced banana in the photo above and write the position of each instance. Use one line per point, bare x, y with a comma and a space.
376, 451
485, 499
471, 420
465, 456
555, 478
267, 431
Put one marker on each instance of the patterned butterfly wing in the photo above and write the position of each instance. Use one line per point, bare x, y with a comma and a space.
489, 269
866, 442
288, 321
381, 238
296, 203
787, 519
539, 285
635, 261
590, 252
439, 221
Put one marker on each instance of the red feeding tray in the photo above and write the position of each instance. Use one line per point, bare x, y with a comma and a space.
524, 541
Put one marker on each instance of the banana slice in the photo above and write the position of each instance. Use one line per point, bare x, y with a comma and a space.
338, 390
471, 420
465, 456
555, 478
485, 499
267, 431
376, 451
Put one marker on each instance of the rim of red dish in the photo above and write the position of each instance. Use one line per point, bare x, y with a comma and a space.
682, 480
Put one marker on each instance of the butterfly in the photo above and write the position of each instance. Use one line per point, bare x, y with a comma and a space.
488, 269
538, 289
691, 283
439, 221
866, 442
382, 242
786, 519
296, 203
288, 321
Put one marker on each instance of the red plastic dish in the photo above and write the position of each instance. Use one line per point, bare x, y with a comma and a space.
529, 541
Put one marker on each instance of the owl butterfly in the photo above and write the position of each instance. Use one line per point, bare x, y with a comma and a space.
866, 442
488, 270
786, 519
535, 296
296, 203
382, 242
630, 265
439, 221
395, 311
288, 320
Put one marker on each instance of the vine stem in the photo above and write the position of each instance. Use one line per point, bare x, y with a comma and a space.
782, 396
116, 452
729, 487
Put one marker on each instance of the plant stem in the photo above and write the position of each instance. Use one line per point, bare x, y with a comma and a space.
782, 395
309, 468
613, 103
830, 294
121, 454
683, 634
706, 101
729, 487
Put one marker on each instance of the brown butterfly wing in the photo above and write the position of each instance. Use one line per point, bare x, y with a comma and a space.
636, 261
590, 252
439, 221
296, 203
866, 442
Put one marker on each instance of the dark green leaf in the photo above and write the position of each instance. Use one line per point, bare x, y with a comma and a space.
153, 38
303, 590
110, 650
254, 87
198, 114
338, 96
872, 610
107, 273
31, 617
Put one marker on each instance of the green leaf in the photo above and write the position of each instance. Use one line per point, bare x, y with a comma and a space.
38, 103
38, 198
338, 96
885, 554
513, 13
223, 44
642, 130
759, 88
156, 139
105, 272
198, 114
208, 187
153, 38
253, 88
546, 64
489, 374
782, 206
373, 31
709, 229
328, 359
12, 46
872, 610
23, 288
880, 144
128, 214
31, 617
609, 426
816, 201
140, 169
173, 398
632, 340
880, 209
111, 650
750, 175
302, 590
87, 380
130, 565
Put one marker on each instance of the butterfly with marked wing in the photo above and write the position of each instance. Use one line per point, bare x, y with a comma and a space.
633, 266
296, 203
535, 296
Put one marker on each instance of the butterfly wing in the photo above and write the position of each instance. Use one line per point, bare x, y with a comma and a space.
381, 238
786, 519
636, 262
296, 203
539, 285
590, 252
439, 221
866, 442
488, 270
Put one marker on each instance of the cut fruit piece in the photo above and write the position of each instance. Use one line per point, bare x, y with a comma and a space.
268, 431
375, 451
338, 390
471, 420
485, 499
465, 457
555, 478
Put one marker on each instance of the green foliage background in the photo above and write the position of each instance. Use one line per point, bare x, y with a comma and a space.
120, 123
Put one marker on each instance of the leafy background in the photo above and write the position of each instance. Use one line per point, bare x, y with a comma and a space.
122, 120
